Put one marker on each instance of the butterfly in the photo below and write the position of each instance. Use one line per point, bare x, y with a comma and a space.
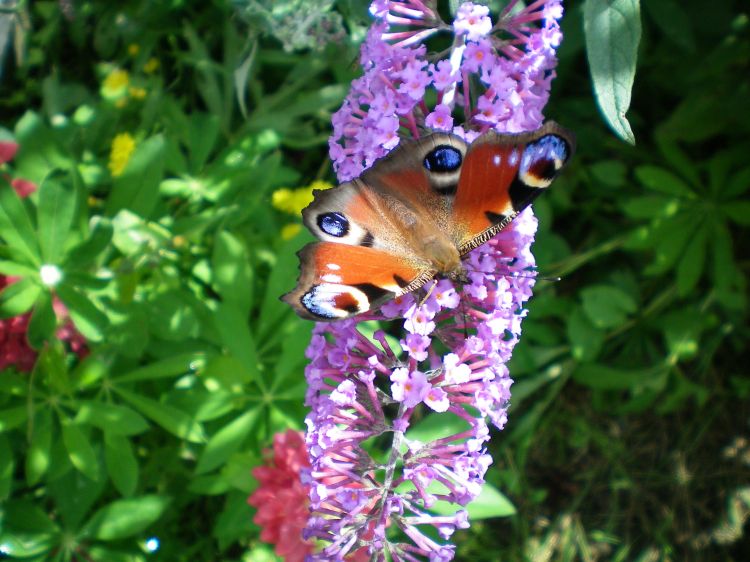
411, 216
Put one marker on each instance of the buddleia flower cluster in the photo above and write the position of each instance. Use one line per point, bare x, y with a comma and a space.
372, 485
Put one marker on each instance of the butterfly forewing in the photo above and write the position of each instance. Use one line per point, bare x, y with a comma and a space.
501, 175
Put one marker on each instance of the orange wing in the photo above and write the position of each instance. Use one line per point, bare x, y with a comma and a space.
501, 175
339, 280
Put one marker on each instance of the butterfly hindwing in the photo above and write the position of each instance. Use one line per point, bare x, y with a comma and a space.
338, 280
501, 175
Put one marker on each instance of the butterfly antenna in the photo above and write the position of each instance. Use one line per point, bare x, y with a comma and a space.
429, 292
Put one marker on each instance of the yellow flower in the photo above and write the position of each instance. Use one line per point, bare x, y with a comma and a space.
115, 84
292, 201
151, 65
137, 93
134, 49
123, 146
289, 231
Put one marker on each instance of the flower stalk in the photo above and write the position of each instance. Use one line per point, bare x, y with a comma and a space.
372, 481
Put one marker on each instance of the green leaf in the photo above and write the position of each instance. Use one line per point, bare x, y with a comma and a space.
98, 239
13, 417
585, 339
57, 205
137, 189
609, 172
171, 315
166, 368
232, 276
234, 331
7, 467
690, 267
226, 441
204, 132
613, 31
673, 22
650, 207
89, 320
18, 297
80, 451
663, 181
489, 503
606, 306
113, 419
38, 456
15, 225
39, 151
173, 420
43, 321
601, 377
435, 426
738, 211
125, 518
122, 465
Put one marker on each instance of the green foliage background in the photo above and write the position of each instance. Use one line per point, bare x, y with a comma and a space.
628, 437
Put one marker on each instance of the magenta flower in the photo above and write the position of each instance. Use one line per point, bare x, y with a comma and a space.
451, 357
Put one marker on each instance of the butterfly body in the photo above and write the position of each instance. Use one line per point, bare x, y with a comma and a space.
415, 213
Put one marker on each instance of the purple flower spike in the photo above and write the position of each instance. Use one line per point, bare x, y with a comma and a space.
450, 357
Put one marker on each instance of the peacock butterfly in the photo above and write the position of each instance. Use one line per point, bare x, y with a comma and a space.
415, 212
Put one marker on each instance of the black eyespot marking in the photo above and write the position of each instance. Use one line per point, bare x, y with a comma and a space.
368, 241
443, 159
333, 224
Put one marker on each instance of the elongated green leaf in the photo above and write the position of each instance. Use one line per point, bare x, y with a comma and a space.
166, 368
235, 334
57, 204
690, 268
15, 225
16, 269
7, 466
13, 417
173, 420
39, 152
603, 377
585, 339
613, 32
607, 306
226, 441
18, 297
663, 181
122, 465
80, 451
231, 273
38, 457
43, 321
88, 250
125, 518
89, 320
114, 419
137, 189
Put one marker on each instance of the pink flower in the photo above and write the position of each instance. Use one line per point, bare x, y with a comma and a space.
8, 151
282, 499
15, 350
24, 188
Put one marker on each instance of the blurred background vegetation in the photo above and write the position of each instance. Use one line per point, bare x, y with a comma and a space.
173, 123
